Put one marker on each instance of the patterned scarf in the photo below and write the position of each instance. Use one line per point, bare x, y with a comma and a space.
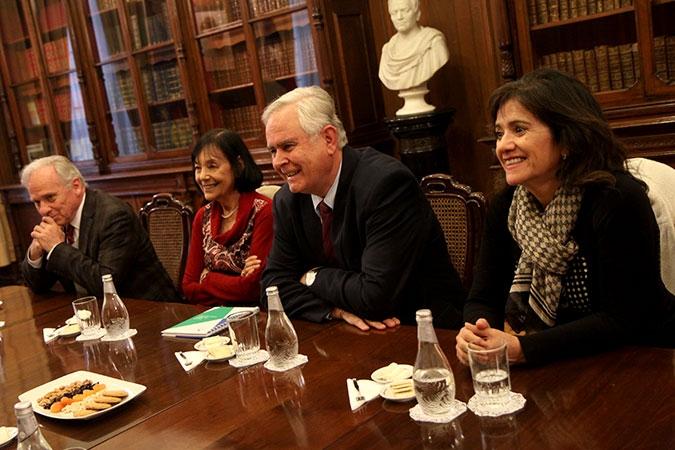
547, 249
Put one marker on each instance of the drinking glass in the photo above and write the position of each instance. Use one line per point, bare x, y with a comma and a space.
490, 374
244, 334
88, 315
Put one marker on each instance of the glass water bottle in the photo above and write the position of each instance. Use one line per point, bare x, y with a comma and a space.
114, 314
280, 337
30, 437
432, 376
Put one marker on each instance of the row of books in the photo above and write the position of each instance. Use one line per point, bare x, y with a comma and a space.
282, 54
105, 4
664, 58
244, 120
120, 90
264, 6
170, 134
162, 82
149, 30
129, 140
213, 13
602, 68
108, 36
59, 55
24, 65
545, 11
227, 66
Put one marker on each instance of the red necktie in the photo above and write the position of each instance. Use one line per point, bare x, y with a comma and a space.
69, 231
326, 214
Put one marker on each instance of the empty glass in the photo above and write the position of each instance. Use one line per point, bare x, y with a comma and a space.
244, 334
88, 315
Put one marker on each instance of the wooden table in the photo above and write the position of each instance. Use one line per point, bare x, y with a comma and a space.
621, 399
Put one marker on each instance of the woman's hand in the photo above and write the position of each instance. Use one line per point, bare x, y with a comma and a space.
251, 264
203, 275
482, 335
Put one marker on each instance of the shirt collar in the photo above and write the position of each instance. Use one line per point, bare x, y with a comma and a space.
78, 215
329, 199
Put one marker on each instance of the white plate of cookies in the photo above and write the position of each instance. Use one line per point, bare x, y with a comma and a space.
81, 395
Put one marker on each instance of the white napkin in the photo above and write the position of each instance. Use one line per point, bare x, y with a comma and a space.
456, 409
297, 361
2, 323
48, 334
192, 359
368, 389
260, 356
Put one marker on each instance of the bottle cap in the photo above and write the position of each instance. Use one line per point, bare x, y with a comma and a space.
106, 277
22, 408
423, 314
272, 290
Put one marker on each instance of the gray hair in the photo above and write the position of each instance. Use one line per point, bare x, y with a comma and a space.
315, 108
415, 4
65, 169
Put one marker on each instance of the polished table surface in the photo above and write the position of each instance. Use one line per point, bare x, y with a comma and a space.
624, 398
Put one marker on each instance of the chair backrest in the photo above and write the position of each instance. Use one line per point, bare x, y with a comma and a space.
268, 190
168, 223
461, 213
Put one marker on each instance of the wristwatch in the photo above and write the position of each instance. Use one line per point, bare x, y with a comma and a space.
311, 276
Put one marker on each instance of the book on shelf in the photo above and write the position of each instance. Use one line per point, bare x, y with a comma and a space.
207, 323
591, 70
602, 64
615, 77
627, 67
591, 7
564, 9
553, 10
670, 57
582, 7
542, 11
660, 61
579, 68
532, 11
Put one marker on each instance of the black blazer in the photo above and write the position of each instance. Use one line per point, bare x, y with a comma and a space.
390, 250
111, 241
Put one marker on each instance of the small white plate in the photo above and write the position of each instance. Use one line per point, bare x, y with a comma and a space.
8, 435
211, 358
133, 390
68, 330
392, 372
219, 340
388, 394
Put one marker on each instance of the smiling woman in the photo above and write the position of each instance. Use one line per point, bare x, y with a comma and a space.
570, 254
232, 234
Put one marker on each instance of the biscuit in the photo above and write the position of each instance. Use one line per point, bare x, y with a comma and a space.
98, 406
107, 399
83, 412
114, 393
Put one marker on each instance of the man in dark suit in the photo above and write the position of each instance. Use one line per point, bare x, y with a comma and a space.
383, 255
84, 234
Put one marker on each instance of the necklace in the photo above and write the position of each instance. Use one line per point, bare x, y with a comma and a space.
230, 214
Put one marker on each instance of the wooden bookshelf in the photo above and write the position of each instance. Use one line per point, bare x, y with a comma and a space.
618, 48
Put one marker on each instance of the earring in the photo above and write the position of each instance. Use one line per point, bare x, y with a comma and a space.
564, 156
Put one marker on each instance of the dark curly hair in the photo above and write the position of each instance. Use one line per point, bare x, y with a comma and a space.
247, 175
575, 119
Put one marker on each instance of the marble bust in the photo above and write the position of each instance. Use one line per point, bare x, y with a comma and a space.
411, 56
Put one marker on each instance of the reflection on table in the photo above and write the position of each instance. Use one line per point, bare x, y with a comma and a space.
621, 399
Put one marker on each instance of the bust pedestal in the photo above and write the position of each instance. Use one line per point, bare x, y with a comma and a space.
422, 141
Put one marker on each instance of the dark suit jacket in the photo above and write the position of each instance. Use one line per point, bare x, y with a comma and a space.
111, 241
390, 250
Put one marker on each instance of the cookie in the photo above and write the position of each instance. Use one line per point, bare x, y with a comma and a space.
98, 406
107, 399
114, 393
83, 412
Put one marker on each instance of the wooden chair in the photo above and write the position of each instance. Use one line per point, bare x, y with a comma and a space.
461, 213
168, 223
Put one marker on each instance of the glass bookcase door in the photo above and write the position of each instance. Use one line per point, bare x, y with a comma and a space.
70, 112
663, 20
123, 108
225, 59
148, 22
34, 119
286, 53
105, 23
17, 44
213, 14
170, 126
55, 35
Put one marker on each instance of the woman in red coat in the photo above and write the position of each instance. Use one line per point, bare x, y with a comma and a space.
232, 234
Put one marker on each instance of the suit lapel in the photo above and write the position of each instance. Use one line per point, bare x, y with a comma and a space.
87, 221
